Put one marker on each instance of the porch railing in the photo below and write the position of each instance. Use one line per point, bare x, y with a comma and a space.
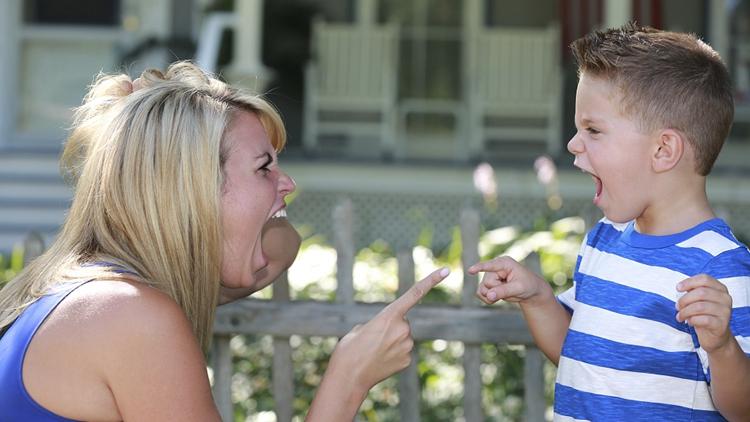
468, 322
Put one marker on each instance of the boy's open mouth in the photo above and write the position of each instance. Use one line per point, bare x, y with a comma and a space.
599, 186
598, 183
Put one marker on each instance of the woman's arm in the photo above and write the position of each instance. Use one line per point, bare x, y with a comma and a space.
155, 367
280, 243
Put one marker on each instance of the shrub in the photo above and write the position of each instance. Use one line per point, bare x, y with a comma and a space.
312, 277
10, 265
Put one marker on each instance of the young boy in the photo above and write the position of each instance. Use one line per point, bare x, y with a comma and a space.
647, 332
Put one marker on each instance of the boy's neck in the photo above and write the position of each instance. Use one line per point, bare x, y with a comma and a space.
675, 211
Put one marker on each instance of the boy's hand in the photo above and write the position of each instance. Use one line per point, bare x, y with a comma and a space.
506, 279
707, 306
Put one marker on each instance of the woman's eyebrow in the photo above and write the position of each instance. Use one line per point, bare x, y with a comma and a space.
267, 156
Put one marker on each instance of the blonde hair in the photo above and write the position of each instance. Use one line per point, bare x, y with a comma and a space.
148, 173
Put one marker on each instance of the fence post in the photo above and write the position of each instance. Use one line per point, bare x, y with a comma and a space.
469, 224
409, 393
222, 359
282, 375
533, 378
343, 236
533, 371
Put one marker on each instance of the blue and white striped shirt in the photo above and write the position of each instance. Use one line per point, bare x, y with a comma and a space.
625, 356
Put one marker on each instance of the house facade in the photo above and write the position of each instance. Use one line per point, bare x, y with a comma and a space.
392, 104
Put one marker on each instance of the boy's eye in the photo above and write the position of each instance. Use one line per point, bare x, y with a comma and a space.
592, 131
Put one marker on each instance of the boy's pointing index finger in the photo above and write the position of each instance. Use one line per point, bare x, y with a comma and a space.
419, 290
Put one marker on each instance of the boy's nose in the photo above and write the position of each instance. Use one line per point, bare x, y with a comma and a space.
575, 146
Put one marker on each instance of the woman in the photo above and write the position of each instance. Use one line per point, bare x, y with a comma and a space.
176, 180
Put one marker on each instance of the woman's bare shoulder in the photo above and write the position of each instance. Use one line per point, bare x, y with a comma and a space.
117, 313
120, 305
134, 340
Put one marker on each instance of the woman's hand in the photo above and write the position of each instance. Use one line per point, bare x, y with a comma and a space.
382, 346
368, 354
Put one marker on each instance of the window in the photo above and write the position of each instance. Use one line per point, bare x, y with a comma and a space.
72, 12
429, 66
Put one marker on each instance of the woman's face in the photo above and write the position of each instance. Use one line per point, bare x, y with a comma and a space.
254, 190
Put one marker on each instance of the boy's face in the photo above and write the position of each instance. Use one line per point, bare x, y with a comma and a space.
609, 146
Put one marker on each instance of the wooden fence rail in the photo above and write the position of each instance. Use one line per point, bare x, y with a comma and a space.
468, 323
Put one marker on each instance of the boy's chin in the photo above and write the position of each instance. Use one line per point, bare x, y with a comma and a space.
617, 217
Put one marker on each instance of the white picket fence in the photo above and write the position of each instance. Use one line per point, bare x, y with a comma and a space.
469, 323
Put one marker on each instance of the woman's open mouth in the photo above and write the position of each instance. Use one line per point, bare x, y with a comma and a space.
281, 212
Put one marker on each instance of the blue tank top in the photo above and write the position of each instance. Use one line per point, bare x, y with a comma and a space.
15, 402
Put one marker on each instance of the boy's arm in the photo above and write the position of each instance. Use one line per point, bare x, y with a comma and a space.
280, 243
506, 279
730, 381
707, 306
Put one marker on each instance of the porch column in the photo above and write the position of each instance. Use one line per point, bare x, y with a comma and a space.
473, 22
10, 22
617, 12
718, 27
366, 12
156, 22
247, 69
182, 14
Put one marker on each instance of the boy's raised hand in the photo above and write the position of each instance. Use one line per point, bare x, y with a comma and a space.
707, 306
504, 278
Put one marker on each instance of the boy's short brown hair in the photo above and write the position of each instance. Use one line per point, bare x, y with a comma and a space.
666, 80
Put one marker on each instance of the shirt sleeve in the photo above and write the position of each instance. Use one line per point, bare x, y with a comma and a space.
732, 268
568, 298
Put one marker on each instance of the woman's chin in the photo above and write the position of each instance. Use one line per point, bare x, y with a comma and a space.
244, 282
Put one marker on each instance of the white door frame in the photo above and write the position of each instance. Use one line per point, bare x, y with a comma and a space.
10, 22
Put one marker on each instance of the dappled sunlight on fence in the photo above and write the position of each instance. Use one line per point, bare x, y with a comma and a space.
349, 288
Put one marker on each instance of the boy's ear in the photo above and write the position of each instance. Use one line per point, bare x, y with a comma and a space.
670, 148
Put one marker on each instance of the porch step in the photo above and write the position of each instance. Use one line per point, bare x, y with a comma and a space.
27, 165
33, 196
22, 189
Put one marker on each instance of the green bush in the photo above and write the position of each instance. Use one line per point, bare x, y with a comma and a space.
440, 371
10, 265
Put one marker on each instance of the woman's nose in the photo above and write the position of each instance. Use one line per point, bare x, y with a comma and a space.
286, 184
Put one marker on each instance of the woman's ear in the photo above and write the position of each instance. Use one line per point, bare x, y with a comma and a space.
670, 148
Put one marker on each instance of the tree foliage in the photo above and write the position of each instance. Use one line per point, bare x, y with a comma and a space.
440, 371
